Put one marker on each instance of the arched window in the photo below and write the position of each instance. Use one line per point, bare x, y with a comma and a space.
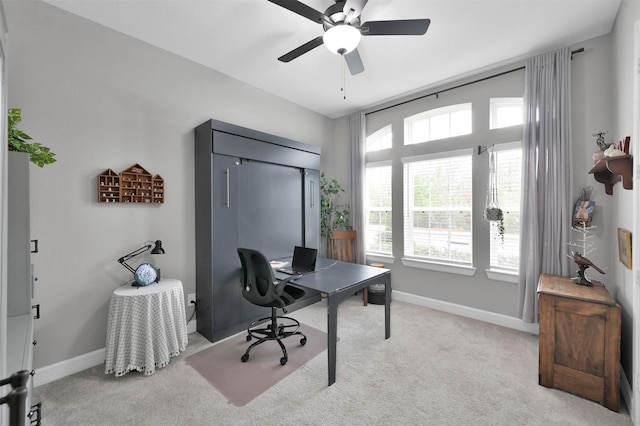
439, 123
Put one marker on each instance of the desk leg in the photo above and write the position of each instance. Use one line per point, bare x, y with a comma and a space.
387, 308
332, 336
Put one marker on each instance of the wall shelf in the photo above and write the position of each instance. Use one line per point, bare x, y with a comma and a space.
134, 185
610, 170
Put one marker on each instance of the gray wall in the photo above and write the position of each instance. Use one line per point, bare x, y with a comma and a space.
102, 100
476, 291
620, 210
602, 88
591, 106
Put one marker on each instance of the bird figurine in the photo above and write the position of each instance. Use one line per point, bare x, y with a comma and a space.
583, 263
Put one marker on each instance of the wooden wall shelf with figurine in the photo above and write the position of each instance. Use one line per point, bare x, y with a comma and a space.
610, 170
134, 185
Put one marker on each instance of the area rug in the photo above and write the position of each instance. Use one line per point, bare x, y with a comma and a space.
241, 382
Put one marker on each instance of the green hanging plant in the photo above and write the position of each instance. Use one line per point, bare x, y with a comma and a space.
18, 141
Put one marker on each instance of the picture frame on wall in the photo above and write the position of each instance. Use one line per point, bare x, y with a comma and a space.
624, 247
583, 213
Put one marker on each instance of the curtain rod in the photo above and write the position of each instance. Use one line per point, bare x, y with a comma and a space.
437, 93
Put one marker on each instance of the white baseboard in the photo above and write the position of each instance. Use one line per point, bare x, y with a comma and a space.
64, 368
466, 311
67, 367
626, 392
192, 326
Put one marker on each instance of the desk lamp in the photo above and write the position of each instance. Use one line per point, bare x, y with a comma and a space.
145, 273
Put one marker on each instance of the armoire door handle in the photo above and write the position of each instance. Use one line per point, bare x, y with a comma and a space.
228, 202
312, 192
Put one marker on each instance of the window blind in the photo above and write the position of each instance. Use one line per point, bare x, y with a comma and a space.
437, 208
378, 208
505, 249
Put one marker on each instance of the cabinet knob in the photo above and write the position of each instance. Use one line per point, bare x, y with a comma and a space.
35, 342
33, 373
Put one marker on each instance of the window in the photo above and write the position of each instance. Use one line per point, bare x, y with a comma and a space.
505, 249
382, 139
437, 207
378, 208
505, 112
439, 123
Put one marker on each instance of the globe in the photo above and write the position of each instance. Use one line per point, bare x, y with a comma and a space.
145, 274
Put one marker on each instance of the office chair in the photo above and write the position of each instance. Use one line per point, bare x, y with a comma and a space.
261, 287
343, 247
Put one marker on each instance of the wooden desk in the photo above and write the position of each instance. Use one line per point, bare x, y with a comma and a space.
146, 326
579, 340
340, 280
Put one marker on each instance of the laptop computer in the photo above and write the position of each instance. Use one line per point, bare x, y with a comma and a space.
304, 260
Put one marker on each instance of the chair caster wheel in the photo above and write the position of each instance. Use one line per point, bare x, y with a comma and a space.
303, 341
245, 358
248, 337
283, 360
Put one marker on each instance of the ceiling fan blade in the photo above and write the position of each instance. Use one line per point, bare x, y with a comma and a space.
354, 62
301, 9
354, 5
287, 57
401, 27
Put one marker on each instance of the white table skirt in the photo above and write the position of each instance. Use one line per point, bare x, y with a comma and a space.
146, 326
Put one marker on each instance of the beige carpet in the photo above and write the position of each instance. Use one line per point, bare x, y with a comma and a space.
241, 382
436, 369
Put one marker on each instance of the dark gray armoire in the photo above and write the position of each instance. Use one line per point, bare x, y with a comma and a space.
253, 190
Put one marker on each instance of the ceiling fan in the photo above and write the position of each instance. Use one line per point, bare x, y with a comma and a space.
341, 23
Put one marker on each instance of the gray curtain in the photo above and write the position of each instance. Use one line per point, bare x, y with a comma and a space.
358, 141
546, 175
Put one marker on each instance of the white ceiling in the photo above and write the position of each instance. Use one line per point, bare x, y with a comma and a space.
244, 38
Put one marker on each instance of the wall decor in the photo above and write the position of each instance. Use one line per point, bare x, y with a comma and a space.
583, 212
133, 185
624, 247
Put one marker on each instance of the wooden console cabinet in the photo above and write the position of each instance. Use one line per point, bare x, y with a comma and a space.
579, 340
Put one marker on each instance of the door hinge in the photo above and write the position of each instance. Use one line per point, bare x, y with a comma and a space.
37, 308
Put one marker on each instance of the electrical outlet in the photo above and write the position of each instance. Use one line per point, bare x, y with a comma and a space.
191, 299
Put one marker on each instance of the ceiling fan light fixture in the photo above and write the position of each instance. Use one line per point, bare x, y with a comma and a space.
341, 39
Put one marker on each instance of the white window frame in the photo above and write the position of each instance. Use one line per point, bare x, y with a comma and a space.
378, 135
411, 121
494, 106
376, 255
450, 267
499, 274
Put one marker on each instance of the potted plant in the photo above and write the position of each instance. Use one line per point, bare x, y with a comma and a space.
18, 141
492, 212
332, 216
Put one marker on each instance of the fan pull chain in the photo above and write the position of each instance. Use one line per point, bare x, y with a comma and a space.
343, 89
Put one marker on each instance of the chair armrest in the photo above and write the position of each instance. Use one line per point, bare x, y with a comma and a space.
285, 281
279, 289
